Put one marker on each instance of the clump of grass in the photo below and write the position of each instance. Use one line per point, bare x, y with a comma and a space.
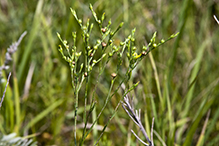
83, 61
11, 140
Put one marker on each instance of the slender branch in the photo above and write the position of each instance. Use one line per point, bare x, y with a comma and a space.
139, 138
116, 109
2, 99
216, 19
158, 136
152, 129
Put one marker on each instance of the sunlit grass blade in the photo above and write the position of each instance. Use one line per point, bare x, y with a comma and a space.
17, 105
157, 81
201, 137
171, 128
188, 100
211, 126
194, 74
32, 36
9, 111
203, 109
181, 26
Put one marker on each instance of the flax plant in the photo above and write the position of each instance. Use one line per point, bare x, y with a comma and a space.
81, 71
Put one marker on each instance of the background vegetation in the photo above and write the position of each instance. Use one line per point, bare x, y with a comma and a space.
178, 81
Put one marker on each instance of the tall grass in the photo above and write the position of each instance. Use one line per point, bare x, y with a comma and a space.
178, 81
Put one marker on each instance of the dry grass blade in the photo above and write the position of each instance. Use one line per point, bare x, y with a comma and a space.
135, 116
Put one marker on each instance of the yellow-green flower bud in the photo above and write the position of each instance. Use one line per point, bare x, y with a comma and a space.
78, 54
103, 55
89, 52
134, 48
128, 55
64, 42
90, 68
60, 48
58, 35
110, 54
95, 47
109, 22
84, 27
154, 45
94, 61
98, 42
121, 24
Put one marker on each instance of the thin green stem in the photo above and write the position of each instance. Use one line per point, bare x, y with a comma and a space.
86, 89
107, 100
115, 111
74, 79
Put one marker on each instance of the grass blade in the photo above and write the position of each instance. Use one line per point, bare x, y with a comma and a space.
44, 113
33, 32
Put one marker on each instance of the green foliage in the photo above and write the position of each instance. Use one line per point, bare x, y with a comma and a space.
177, 82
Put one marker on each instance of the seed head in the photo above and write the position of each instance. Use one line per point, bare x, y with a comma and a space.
103, 44
143, 53
113, 75
85, 74
103, 30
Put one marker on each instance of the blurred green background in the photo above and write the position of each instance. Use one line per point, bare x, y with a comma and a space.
186, 76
